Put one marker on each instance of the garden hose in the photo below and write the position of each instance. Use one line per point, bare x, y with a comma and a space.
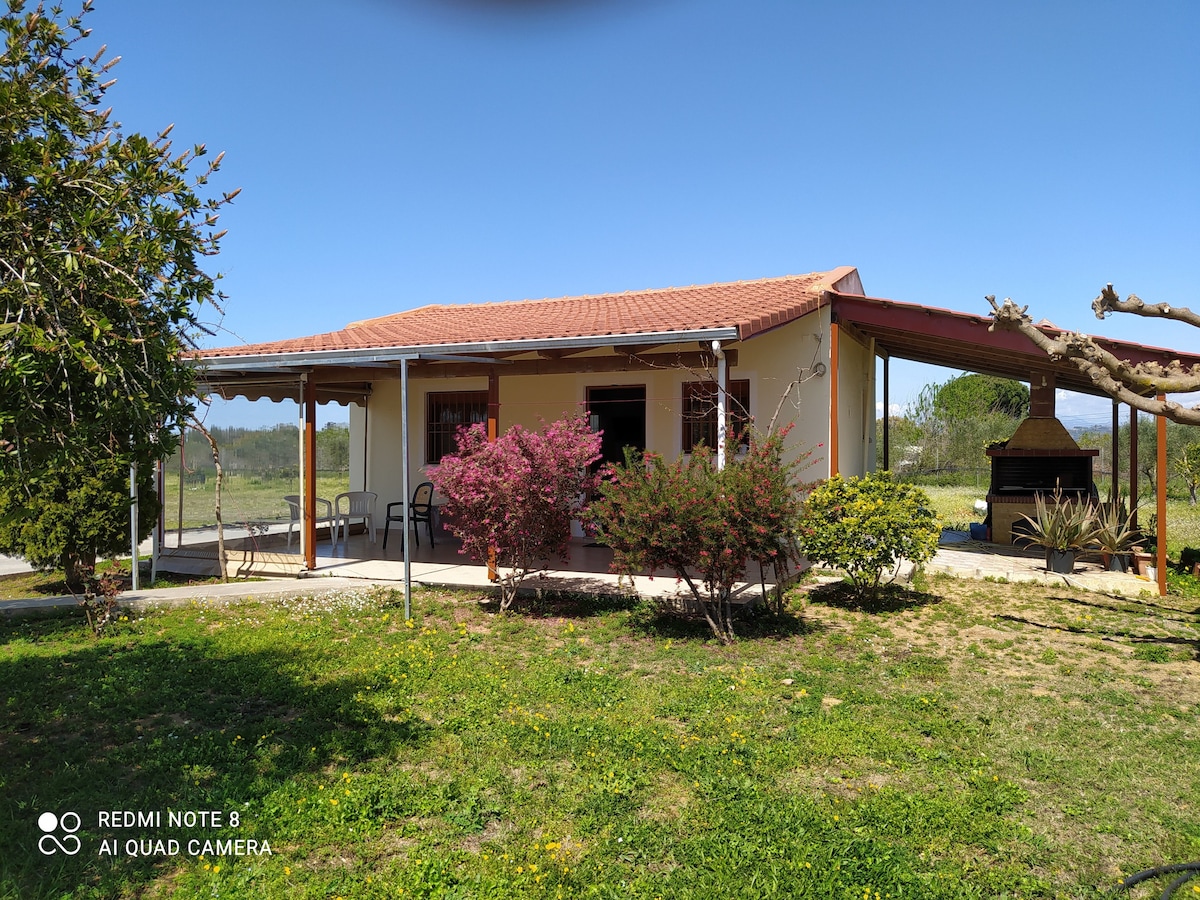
1189, 870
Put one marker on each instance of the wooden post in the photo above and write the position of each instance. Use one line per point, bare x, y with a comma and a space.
1133, 465
1161, 497
310, 473
1115, 468
887, 415
834, 412
493, 432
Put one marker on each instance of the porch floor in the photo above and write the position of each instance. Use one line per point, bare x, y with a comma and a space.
587, 570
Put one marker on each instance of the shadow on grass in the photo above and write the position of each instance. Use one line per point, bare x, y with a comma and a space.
891, 598
546, 604
33, 584
1132, 606
1143, 640
757, 623
144, 722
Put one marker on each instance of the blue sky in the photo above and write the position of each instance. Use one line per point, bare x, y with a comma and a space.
394, 153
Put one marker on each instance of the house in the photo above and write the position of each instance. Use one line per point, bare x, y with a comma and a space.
643, 365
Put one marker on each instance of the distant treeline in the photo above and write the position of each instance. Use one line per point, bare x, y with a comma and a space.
272, 452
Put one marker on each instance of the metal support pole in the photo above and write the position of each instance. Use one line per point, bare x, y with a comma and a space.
156, 536
404, 487
309, 500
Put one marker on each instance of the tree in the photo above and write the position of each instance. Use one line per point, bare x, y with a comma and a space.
949, 424
1135, 384
516, 496
82, 510
966, 396
1187, 466
101, 237
689, 517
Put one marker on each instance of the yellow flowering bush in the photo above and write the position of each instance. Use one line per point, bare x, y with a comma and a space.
866, 525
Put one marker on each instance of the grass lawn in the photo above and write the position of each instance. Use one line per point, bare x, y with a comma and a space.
976, 740
244, 497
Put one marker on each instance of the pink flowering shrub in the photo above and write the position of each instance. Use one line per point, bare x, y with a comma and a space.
703, 524
518, 494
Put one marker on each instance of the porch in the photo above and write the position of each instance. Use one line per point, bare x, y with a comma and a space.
587, 570
257, 553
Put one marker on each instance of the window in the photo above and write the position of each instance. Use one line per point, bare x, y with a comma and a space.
444, 413
700, 412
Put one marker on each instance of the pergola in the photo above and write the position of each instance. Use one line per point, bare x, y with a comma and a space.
965, 341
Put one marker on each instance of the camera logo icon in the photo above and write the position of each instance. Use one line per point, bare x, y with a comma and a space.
50, 842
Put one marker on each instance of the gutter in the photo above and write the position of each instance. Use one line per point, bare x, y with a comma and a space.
395, 355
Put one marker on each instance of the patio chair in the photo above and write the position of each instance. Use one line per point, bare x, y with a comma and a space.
354, 505
420, 510
324, 511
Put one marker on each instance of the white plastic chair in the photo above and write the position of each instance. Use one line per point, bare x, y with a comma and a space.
354, 505
324, 515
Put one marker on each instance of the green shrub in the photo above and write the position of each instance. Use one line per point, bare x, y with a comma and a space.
69, 517
866, 525
702, 523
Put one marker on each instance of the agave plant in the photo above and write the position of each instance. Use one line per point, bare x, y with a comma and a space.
1061, 525
1114, 528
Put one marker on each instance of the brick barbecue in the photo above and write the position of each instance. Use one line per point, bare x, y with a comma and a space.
1039, 457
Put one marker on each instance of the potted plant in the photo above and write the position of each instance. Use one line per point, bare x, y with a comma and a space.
1062, 528
1115, 535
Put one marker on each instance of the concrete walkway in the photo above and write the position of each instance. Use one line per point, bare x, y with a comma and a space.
962, 557
958, 556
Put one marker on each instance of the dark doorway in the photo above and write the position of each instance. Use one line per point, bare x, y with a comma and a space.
620, 412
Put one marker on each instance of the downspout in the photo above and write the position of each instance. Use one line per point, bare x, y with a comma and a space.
722, 403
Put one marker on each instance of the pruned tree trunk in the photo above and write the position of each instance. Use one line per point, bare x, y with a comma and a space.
76, 568
1130, 383
222, 558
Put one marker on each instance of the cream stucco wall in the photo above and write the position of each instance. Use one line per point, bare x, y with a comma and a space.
789, 364
856, 406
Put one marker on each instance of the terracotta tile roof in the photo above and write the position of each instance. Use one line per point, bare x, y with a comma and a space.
750, 306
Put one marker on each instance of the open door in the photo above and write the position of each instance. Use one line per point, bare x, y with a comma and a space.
620, 413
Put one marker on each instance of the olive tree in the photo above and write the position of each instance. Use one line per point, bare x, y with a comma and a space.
102, 235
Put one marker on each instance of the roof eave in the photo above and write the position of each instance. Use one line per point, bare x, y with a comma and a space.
387, 355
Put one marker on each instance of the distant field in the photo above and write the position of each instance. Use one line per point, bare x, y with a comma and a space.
956, 506
243, 498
